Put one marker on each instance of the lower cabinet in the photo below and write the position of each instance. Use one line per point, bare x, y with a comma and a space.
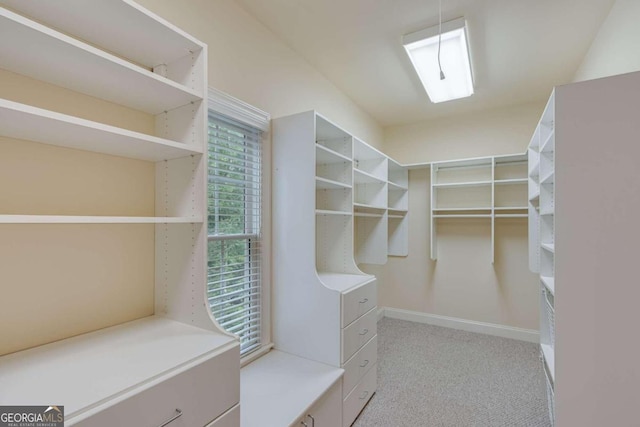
326, 412
231, 418
359, 396
190, 398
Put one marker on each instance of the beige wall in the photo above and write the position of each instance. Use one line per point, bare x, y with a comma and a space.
61, 280
486, 133
615, 48
247, 61
462, 283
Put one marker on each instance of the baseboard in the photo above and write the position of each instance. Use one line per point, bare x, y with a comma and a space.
380, 313
521, 334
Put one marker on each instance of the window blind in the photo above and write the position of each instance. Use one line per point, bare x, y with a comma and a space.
234, 224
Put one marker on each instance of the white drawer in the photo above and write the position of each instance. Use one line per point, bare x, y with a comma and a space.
201, 392
359, 397
358, 301
358, 334
229, 419
359, 365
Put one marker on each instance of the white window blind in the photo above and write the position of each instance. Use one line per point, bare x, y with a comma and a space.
234, 214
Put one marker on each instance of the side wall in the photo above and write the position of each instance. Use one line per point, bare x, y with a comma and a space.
462, 283
249, 62
615, 48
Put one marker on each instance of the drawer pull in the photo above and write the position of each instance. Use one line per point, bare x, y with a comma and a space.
313, 420
366, 362
364, 395
304, 424
172, 419
364, 332
364, 301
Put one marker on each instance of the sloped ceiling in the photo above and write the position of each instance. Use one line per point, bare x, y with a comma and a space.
520, 48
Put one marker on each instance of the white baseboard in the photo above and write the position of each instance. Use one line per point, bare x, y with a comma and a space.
521, 334
380, 313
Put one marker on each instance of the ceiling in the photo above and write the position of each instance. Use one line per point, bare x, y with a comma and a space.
519, 49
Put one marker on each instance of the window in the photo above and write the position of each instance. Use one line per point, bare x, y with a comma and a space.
234, 279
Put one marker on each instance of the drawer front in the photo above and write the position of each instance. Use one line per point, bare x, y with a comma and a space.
359, 397
357, 302
229, 419
202, 393
359, 365
358, 334
326, 412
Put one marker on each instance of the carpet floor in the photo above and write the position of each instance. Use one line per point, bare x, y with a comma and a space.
439, 377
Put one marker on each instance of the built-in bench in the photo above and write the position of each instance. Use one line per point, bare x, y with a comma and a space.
280, 389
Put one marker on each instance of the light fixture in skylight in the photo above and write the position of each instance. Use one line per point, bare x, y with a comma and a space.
422, 48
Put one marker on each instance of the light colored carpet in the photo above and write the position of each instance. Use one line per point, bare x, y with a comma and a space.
438, 377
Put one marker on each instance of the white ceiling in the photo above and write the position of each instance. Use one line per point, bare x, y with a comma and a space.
520, 48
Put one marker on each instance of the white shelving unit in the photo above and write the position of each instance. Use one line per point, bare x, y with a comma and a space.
324, 306
490, 188
120, 373
583, 229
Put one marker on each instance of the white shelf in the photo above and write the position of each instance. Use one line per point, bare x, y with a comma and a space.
329, 184
510, 208
463, 216
548, 179
71, 219
549, 357
549, 283
362, 177
327, 155
396, 187
548, 247
512, 215
397, 211
535, 196
330, 212
369, 208
463, 209
85, 68
547, 211
549, 143
98, 366
511, 181
279, 387
82, 18
462, 184
393, 216
343, 282
367, 215
22, 121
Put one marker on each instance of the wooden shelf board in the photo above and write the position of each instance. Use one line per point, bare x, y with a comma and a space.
511, 181
462, 184
361, 207
327, 155
549, 283
396, 187
22, 121
549, 357
329, 184
548, 179
342, 282
89, 369
510, 208
162, 44
73, 219
85, 68
463, 216
330, 212
362, 177
463, 209
550, 247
